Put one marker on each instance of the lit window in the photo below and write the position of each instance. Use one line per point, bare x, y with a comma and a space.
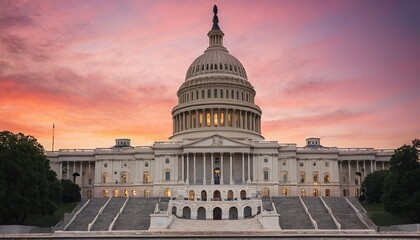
124, 177
302, 177
327, 178
230, 119
201, 119
315, 178
146, 177
208, 119
222, 119
215, 119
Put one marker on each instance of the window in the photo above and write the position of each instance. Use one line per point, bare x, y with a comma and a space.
167, 161
105, 164
265, 174
90, 181
284, 163
208, 93
327, 164
232, 95
301, 164
229, 119
314, 164
227, 93
222, 119
202, 93
315, 178
221, 93
215, 93
326, 178
266, 160
146, 164
302, 177
167, 176
201, 119
124, 177
215, 119
146, 177
284, 177
105, 178
208, 119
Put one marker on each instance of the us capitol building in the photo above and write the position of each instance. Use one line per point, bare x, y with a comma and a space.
217, 150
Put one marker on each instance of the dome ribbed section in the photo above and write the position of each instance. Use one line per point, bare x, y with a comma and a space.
216, 61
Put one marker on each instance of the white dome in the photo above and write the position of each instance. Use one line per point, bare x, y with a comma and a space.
216, 60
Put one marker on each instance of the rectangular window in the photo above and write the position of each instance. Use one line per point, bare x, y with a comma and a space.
215, 93
215, 119
227, 93
202, 93
265, 160
208, 93
221, 93
167, 176
208, 119
201, 119
265, 175
229, 119
222, 119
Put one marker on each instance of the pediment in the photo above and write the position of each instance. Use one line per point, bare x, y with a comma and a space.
217, 141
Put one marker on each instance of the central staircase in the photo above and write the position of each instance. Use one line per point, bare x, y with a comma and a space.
292, 213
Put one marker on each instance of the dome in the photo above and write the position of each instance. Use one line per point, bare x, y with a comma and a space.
216, 60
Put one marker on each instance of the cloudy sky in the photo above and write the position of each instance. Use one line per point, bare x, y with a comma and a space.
345, 71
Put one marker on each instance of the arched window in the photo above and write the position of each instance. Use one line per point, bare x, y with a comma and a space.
302, 177
105, 193
167, 161
191, 195
146, 177
284, 191
201, 213
315, 192
147, 192
134, 192
222, 119
284, 176
116, 193
167, 175
266, 192
327, 192
326, 178
215, 119
125, 191
230, 195
315, 178
230, 119
302, 193
243, 194
124, 177
186, 213
266, 174
203, 195
105, 177
233, 213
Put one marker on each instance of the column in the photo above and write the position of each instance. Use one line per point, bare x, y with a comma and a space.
243, 168
357, 170
234, 118
221, 168
81, 173
182, 169
226, 117
212, 169
383, 165
211, 118
204, 169
60, 170
371, 166
245, 120
176, 177
348, 164
68, 169
188, 168
364, 169
231, 170
194, 169
183, 121
197, 115
249, 169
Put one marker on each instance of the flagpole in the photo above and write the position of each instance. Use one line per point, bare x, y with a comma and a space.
53, 138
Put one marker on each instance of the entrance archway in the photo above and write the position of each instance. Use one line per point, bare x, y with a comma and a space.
315, 192
203, 195
265, 192
174, 210
216, 195
201, 213
186, 213
167, 192
216, 173
233, 213
243, 194
217, 213
230, 195
284, 191
247, 212
116, 193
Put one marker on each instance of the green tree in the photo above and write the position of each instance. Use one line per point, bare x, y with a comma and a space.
373, 186
71, 191
402, 186
27, 184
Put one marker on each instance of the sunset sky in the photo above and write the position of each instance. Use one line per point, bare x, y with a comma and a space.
345, 71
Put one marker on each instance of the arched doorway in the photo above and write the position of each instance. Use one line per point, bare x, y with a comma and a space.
191, 195
302, 193
265, 192
203, 195
284, 191
174, 210
116, 193
216, 195
125, 192
327, 192
147, 192
217, 213
168, 192
344, 192
186, 213
105, 193
233, 213
247, 212
243, 194
201, 213
230, 195
315, 192
217, 176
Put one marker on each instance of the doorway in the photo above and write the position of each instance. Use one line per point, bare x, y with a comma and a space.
217, 213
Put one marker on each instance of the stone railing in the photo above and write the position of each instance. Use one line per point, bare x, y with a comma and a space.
314, 223
111, 226
76, 214
99, 213
331, 214
357, 213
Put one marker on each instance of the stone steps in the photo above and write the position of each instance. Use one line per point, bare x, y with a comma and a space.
292, 213
344, 213
110, 211
136, 214
87, 215
319, 213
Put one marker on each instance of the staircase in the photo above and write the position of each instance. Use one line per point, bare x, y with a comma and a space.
319, 213
87, 215
136, 214
110, 211
292, 213
344, 213
267, 204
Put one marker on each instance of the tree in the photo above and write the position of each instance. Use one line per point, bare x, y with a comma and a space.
27, 184
402, 186
373, 186
71, 191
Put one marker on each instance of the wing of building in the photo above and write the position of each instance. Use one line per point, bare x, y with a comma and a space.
216, 150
